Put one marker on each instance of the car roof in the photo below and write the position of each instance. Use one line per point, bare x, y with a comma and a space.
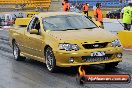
48, 14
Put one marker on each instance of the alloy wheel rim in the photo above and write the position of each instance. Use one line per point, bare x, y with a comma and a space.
15, 51
49, 59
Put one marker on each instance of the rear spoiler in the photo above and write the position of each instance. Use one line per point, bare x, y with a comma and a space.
22, 22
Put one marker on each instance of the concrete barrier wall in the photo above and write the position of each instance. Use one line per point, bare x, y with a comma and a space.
126, 38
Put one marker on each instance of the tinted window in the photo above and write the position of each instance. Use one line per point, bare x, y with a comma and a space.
30, 26
34, 24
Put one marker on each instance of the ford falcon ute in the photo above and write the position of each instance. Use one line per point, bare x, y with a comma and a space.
65, 39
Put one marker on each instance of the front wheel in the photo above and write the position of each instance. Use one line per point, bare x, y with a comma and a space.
50, 60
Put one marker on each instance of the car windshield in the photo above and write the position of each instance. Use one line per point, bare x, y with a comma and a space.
67, 22
75, 10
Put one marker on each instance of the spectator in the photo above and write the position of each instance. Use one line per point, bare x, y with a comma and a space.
85, 9
36, 9
127, 16
98, 14
41, 8
66, 5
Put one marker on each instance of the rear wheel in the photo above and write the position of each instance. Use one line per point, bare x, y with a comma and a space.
50, 60
16, 52
111, 65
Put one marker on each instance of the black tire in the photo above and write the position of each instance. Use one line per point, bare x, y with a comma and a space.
50, 60
16, 52
111, 65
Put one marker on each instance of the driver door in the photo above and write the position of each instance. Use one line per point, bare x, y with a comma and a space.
35, 40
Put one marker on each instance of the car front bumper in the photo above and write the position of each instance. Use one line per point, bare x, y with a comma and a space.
62, 57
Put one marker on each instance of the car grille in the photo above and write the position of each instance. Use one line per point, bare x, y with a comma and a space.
96, 45
96, 58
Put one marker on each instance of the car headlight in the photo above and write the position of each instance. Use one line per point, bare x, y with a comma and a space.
116, 43
68, 47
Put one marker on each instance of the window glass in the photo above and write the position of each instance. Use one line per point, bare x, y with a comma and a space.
30, 26
64, 22
34, 24
37, 24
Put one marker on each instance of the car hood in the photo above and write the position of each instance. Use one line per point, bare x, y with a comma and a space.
83, 35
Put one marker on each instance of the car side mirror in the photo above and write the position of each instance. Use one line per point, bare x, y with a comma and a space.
33, 31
